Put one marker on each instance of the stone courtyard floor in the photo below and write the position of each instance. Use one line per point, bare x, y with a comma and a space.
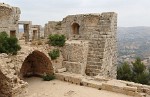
39, 88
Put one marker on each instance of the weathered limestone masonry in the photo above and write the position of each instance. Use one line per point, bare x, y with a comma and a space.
27, 29
98, 33
29, 61
75, 56
10, 84
9, 17
9, 22
102, 83
31, 32
36, 32
52, 27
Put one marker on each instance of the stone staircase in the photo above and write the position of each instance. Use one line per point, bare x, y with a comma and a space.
95, 57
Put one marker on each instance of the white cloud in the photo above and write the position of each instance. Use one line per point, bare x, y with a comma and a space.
130, 12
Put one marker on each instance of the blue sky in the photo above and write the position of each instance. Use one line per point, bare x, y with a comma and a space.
130, 12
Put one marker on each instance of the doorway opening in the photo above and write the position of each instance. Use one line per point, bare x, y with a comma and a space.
75, 28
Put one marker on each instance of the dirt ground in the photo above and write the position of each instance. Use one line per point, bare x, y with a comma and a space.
39, 88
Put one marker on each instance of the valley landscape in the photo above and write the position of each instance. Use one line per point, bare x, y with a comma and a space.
133, 42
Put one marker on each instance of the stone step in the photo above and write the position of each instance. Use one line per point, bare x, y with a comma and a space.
94, 63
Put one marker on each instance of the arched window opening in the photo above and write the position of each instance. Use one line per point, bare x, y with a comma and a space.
75, 28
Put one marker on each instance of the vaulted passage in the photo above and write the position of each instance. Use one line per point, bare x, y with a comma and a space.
75, 28
36, 64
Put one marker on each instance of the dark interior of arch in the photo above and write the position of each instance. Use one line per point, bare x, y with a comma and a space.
75, 28
36, 64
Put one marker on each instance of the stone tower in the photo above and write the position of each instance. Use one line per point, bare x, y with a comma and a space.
91, 43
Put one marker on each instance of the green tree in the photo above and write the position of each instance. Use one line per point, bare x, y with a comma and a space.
138, 66
142, 78
140, 74
124, 72
57, 40
8, 45
137, 72
54, 54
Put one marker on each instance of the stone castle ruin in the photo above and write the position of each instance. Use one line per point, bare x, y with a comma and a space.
91, 45
88, 57
9, 22
9, 17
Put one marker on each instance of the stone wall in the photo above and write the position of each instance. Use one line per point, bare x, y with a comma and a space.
12, 67
75, 56
100, 31
102, 49
11, 85
88, 24
36, 31
9, 17
52, 27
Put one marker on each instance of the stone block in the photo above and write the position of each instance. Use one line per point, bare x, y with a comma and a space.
133, 89
74, 67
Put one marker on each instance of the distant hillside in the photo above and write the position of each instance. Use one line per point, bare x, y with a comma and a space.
134, 40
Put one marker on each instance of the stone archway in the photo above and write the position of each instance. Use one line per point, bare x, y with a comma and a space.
75, 28
36, 64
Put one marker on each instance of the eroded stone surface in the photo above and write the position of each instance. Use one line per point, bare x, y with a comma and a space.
101, 83
10, 69
99, 54
9, 17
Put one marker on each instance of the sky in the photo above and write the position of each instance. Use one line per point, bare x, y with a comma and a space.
130, 12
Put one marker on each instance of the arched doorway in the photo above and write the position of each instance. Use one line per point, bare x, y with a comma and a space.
75, 28
36, 64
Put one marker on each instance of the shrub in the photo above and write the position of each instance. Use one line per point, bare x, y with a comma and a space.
57, 40
8, 45
54, 54
138, 66
136, 73
124, 72
47, 77
142, 78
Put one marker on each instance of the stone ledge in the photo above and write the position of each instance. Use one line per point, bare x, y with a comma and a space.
102, 84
